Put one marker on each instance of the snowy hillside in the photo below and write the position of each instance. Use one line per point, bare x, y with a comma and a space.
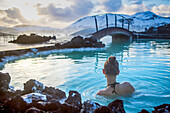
139, 22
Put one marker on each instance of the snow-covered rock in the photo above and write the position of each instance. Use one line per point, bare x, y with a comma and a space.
34, 96
33, 86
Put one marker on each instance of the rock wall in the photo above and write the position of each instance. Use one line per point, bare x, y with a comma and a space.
37, 98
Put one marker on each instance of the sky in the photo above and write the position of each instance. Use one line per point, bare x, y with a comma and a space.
61, 13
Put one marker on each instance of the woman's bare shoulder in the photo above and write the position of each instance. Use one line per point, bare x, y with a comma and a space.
104, 92
127, 86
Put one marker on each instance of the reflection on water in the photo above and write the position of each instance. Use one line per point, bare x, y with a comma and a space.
144, 63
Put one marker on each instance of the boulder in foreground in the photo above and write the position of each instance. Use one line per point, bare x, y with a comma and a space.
37, 98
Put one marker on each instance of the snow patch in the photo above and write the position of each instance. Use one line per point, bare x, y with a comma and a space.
73, 94
34, 96
62, 101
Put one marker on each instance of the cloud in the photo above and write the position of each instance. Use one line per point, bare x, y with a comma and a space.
11, 16
112, 5
162, 10
138, 2
133, 9
14, 13
9, 21
67, 14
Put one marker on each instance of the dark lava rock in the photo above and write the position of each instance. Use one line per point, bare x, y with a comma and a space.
68, 45
5, 95
74, 99
1, 57
159, 30
4, 85
164, 108
103, 109
58, 45
89, 106
98, 44
54, 92
87, 42
164, 29
5, 76
66, 108
33, 86
114, 107
32, 39
19, 92
34, 110
93, 40
52, 105
16, 104
144, 111
40, 105
117, 106
77, 41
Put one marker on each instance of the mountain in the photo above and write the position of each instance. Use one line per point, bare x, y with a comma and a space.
148, 15
20, 29
139, 22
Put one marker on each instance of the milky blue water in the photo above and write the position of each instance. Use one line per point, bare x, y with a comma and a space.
143, 63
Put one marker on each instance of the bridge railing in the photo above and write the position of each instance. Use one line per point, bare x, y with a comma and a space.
117, 21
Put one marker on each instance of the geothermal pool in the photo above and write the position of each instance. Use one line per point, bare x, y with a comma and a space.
143, 63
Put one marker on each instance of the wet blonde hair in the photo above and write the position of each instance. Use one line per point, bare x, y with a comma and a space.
111, 66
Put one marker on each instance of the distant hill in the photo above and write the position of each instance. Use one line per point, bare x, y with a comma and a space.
139, 22
5, 34
21, 29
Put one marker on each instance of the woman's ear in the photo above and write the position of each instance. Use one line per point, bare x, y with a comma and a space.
103, 71
118, 72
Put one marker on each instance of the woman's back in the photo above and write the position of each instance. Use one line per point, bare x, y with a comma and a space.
124, 88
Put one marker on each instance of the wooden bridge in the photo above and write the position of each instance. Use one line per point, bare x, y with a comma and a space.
116, 31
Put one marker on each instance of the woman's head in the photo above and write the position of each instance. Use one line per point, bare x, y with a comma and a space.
111, 66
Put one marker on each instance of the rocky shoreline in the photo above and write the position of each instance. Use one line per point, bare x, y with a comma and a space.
76, 42
37, 98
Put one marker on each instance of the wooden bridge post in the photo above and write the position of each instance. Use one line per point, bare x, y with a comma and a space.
122, 22
115, 20
96, 23
106, 21
128, 25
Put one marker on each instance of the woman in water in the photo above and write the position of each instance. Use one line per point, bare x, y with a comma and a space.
111, 70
